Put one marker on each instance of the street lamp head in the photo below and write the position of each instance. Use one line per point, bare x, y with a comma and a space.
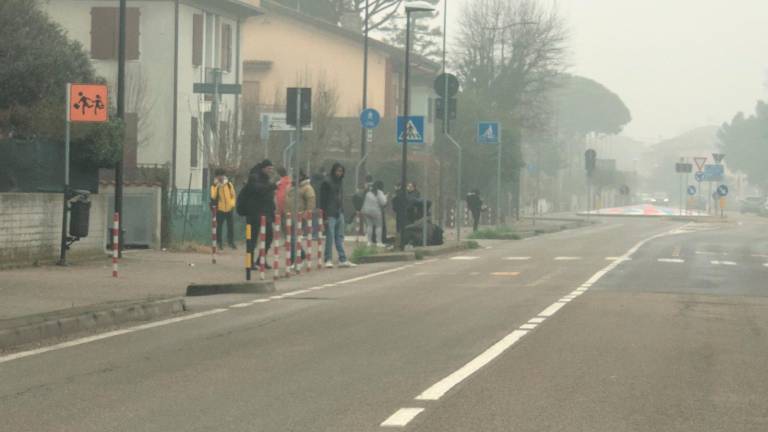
418, 6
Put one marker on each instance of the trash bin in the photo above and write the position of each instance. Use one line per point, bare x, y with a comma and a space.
80, 216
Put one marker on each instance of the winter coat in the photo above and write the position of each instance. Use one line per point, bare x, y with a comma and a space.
474, 202
375, 200
282, 189
332, 194
257, 198
307, 198
223, 196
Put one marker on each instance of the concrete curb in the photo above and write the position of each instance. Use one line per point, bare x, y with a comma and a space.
441, 250
387, 257
58, 324
258, 287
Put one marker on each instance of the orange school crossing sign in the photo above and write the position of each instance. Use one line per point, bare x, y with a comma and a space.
88, 103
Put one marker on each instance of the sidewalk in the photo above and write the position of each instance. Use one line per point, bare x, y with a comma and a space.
144, 274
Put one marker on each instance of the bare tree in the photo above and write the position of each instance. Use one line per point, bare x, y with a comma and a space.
511, 51
325, 105
379, 11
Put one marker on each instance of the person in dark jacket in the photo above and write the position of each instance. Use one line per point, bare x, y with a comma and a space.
475, 206
332, 204
257, 199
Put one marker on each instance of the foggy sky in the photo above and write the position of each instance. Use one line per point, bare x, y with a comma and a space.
677, 64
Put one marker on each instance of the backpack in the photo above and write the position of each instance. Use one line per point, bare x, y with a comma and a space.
358, 199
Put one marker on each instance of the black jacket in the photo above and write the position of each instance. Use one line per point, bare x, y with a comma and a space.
474, 202
332, 194
257, 198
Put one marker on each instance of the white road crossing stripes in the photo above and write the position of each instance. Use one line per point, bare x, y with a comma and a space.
725, 263
671, 260
402, 417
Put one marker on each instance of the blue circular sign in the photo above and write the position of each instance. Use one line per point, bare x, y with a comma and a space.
699, 176
722, 190
691, 190
370, 118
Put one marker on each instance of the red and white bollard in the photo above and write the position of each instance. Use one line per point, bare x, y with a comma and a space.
214, 240
276, 247
262, 247
308, 217
320, 238
115, 242
299, 242
452, 218
288, 238
466, 217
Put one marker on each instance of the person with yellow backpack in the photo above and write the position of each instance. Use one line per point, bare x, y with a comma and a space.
223, 196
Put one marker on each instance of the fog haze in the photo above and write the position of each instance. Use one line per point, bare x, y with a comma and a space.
677, 64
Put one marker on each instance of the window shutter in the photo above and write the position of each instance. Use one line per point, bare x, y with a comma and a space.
132, 33
226, 47
104, 33
194, 143
197, 40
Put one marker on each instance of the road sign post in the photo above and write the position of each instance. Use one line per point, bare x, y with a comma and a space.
369, 120
86, 103
590, 162
489, 133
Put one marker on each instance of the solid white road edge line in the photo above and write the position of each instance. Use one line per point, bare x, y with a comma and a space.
99, 337
402, 417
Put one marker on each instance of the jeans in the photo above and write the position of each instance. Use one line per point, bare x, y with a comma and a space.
475, 218
221, 219
334, 233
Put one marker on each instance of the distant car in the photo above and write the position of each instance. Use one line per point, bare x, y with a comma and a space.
660, 198
754, 205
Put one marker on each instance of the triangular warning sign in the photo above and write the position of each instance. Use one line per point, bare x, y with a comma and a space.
700, 161
412, 132
489, 134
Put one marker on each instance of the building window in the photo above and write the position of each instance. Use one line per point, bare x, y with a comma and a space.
104, 33
197, 40
226, 47
194, 143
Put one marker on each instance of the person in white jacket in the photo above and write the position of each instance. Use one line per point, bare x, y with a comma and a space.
375, 200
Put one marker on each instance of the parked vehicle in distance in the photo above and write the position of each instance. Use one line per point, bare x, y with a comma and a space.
754, 205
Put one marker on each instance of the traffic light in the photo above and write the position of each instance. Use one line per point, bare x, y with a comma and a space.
440, 106
306, 106
590, 160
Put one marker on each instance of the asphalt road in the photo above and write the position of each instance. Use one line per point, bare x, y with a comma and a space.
548, 334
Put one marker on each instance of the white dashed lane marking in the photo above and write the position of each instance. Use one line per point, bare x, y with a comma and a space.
464, 258
520, 258
671, 260
567, 258
725, 263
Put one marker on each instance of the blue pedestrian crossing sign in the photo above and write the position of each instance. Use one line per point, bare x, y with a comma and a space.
370, 118
699, 176
722, 190
691, 190
488, 133
413, 129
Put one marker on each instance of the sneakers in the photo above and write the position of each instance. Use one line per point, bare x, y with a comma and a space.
381, 245
328, 264
347, 264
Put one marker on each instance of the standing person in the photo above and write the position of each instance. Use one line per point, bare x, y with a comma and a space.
307, 203
475, 206
332, 204
282, 188
374, 202
257, 199
399, 205
223, 197
413, 203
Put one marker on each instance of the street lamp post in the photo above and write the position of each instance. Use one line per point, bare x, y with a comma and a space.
363, 133
410, 7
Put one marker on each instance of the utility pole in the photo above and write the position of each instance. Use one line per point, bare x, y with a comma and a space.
121, 115
363, 131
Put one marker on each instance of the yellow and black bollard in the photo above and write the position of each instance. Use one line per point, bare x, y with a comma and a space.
248, 253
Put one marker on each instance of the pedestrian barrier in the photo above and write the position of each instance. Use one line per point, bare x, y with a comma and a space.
276, 247
320, 240
308, 218
214, 240
248, 254
262, 246
466, 218
452, 218
299, 242
288, 239
115, 242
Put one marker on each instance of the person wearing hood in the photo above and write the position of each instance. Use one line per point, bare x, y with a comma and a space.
332, 204
283, 185
223, 198
257, 199
375, 200
306, 201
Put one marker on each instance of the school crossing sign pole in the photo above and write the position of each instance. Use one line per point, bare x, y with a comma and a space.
489, 133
